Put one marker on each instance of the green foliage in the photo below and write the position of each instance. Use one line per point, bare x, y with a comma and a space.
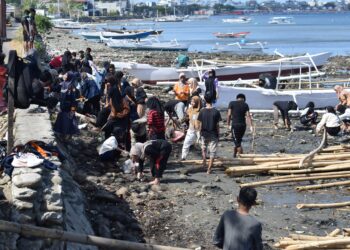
43, 23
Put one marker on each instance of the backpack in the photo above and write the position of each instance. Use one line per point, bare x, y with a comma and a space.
23, 71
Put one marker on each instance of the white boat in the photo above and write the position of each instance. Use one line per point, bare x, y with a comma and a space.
114, 35
149, 44
225, 71
167, 19
282, 20
197, 17
242, 19
68, 24
241, 48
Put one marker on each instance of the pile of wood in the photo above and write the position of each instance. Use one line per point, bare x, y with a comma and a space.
338, 239
327, 164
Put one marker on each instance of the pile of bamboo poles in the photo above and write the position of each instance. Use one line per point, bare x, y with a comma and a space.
328, 164
338, 239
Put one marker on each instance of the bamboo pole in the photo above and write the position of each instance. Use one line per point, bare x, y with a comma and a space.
310, 156
324, 167
268, 182
326, 243
324, 205
334, 233
42, 232
319, 186
307, 175
309, 237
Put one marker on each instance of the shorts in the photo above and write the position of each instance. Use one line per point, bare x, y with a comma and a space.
333, 131
238, 131
211, 144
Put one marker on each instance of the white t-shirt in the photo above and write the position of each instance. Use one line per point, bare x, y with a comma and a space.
108, 145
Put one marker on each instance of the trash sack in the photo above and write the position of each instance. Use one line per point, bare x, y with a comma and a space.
128, 167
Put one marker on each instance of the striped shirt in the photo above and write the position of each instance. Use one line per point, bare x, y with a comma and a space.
155, 122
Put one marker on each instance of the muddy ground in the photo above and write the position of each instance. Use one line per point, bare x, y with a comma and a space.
185, 210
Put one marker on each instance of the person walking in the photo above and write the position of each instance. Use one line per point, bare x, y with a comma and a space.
211, 85
192, 135
209, 119
238, 113
237, 229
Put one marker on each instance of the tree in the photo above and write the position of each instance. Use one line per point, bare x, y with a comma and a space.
43, 23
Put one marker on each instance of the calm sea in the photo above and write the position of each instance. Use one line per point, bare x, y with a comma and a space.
311, 32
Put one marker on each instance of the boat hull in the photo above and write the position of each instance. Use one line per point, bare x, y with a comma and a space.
151, 75
115, 36
263, 99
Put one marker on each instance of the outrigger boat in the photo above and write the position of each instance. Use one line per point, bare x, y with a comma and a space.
149, 44
122, 31
282, 20
225, 71
113, 35
231, 35
242, 19
240, 48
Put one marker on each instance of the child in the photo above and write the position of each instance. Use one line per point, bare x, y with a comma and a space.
155, 119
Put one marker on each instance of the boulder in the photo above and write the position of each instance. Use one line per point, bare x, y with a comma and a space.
27, 180
122, 192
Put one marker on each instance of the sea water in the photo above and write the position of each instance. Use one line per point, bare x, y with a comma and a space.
312, 32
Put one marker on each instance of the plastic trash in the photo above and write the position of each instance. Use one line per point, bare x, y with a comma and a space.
128, 167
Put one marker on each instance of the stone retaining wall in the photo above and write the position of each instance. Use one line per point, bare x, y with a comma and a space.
43, 197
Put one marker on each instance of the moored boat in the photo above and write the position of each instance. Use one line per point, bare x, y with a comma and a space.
242, 19
241, 48
113, 35
231, 35
282, 20
226, 71
122, 31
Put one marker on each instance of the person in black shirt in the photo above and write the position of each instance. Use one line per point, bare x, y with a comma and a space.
26, 32
209, 119
88, 55
237, 229
283, 107
238, 112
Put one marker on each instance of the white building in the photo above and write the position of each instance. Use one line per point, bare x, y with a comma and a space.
115, 6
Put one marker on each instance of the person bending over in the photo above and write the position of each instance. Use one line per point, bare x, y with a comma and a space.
158, 152
308, 116
344, 117
237, 229
238, 112
284, 107
330, 121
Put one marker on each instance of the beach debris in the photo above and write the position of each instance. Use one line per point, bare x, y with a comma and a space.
337, 239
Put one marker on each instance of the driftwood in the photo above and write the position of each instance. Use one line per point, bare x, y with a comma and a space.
321, 167
310, 156
309, 237
319, 244
325, 205
41, 232
334, 233
319, 186
271, 182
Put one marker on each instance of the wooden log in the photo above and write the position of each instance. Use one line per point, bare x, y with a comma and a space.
319, 186
309, 237
85, 118
324, 205
317, 244
271, 182
334, 233
238, 162
321, 167
310, 156
307, 175
41, 232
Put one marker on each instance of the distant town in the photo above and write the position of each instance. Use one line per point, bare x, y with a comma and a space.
150, 9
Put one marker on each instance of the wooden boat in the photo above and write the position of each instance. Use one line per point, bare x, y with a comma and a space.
241, 48
122, 31
149, 45
242, 19
113, 35
225, 71
68, 24
282, 20
168, 19
231, 35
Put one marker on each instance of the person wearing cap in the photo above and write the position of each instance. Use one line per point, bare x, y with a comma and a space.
157, 151
237, 229
182, 93
140, 96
